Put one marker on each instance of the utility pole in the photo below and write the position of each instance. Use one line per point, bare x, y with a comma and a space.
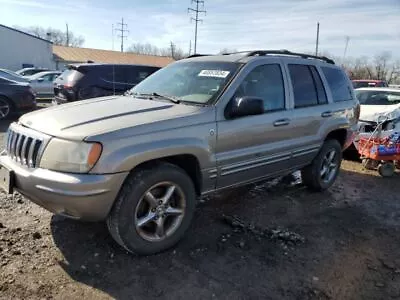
197, 11
172, 50
190, 47
112, 35
67, 42
317, 42
345, 47
122, 30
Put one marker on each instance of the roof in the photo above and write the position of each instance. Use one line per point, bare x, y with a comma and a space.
382, 89
23, 32
72, 54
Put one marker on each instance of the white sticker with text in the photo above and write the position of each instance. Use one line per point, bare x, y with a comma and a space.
214, 73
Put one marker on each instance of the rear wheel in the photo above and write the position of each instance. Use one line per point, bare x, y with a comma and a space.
386, 169
324, 169
154, 209
5, 108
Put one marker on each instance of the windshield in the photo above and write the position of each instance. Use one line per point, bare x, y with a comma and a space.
197, 82
378, 97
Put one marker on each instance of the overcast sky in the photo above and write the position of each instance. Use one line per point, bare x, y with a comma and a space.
372, 25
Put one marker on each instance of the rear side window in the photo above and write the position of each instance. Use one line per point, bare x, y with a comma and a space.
115, 74
338, 84
304, 89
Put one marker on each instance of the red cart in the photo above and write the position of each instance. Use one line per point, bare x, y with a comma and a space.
381, 153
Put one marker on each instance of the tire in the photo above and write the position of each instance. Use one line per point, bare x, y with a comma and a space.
132, 208
312, 174
4, 112
386, 169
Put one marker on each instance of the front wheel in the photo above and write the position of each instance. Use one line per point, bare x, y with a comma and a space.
324, 169
153, 210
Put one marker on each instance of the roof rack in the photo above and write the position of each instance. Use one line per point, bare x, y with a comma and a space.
288, 53
198, 55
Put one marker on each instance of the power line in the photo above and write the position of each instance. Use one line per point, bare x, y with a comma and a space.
122, 30
197, 11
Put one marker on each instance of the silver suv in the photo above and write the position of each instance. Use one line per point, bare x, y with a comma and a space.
199, 125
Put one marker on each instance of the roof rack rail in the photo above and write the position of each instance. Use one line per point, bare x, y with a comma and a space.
198, 55
288, 53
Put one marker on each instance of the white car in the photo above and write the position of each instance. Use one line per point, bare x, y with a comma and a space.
378, 105
42, 83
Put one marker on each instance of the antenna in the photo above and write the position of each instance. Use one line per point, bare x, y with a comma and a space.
122, 30
196, 19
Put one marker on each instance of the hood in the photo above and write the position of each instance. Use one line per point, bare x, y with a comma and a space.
81, 119
373, 112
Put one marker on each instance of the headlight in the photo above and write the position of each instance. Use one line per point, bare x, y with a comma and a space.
69, 156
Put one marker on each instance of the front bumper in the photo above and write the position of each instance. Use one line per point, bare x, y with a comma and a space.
79, 196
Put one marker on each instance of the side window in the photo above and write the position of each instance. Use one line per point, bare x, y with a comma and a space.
48, 78
265, 82
115, 74
338, 84
304, 89
322, 99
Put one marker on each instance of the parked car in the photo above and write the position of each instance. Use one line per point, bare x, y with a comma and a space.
15, 98
90, 80
197, 126
378, 105
30, 71
4, 73
368, 83
42, 83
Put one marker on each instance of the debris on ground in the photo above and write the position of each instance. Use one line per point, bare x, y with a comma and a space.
285, 236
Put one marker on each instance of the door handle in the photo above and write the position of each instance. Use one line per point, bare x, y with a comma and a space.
281, 122
327, 114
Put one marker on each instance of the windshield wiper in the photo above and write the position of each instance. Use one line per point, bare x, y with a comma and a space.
149, 95
174, 100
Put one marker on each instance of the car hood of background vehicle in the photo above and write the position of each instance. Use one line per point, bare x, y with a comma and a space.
373, 112
87, 118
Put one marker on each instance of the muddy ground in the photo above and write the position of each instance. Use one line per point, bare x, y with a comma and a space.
267, 241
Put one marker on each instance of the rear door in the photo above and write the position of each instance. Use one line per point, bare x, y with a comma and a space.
310, 108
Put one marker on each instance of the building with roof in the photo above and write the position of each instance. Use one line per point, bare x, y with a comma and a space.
64, 56
19, 49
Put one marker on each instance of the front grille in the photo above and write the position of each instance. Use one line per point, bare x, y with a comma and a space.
24, 148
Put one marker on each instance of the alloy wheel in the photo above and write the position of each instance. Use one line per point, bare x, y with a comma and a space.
160, 211
329, 166
4, 109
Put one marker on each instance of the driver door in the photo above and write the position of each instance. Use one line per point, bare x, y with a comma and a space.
257, 146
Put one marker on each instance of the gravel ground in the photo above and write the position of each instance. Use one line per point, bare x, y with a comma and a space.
275, 240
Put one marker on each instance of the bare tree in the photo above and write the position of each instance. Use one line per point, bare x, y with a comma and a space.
382, 67
56, 36
227, 51
149, 49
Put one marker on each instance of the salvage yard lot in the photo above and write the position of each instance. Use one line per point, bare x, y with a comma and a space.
267, 241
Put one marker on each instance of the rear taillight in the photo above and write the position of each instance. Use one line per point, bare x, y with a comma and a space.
67, 85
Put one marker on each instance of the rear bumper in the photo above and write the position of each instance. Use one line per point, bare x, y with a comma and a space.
79, 196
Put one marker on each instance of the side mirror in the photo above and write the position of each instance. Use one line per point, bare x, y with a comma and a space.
244, 106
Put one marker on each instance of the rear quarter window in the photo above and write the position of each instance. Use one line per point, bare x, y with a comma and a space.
338, 84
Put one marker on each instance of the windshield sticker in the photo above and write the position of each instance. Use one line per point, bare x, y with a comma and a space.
214, 73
